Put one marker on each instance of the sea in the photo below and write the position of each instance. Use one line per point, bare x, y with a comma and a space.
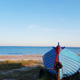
26, 50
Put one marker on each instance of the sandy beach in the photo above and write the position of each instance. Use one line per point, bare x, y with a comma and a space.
20, 57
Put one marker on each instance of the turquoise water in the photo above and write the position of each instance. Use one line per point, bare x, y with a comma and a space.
21, 50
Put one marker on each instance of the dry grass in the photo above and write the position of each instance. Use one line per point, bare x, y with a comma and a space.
32, 74
7, 65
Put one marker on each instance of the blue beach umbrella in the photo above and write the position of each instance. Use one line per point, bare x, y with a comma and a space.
69, 60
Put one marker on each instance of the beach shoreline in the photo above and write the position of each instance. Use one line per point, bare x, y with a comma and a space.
20, 57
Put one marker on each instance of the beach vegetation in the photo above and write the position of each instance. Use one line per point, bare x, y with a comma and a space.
7, 71
8, 65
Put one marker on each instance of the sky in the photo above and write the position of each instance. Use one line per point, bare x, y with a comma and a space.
40, 23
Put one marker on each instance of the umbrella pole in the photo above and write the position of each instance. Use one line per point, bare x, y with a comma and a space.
58, 74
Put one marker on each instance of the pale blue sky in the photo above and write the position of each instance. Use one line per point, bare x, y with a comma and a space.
39, 22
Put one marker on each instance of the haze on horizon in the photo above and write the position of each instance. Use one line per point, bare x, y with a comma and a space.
40, 22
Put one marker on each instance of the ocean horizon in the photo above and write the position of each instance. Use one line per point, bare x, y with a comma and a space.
28, 50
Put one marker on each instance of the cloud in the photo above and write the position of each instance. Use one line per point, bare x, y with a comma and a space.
32, 27
59, 30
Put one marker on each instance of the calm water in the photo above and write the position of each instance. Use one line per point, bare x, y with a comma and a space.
11, 50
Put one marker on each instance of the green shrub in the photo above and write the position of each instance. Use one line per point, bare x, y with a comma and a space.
8, 66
